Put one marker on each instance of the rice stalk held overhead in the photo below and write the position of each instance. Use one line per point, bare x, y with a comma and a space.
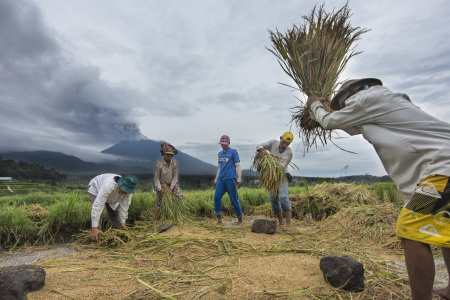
314, 54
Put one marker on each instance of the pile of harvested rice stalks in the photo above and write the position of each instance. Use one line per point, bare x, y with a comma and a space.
36, 212
172, 208
314, 55
327, 199
270, 172
109, 239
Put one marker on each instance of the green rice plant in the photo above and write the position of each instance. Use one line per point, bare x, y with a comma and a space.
69, 215
387, 190
15, 227
270, 172
31, 198
379, 190
294, 190
254, 197
200, 204
141, 204
304, 181
393, 194
172, 208
314, 54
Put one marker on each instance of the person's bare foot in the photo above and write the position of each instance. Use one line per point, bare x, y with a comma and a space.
238, 223
287, 228
219, 222
444, 293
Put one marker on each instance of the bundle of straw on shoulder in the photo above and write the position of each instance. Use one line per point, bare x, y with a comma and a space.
172, 208
270, 172
314, 55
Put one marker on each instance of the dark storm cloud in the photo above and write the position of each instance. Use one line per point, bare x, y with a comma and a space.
43, 92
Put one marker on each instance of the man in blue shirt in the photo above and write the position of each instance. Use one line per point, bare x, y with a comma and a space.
228, 179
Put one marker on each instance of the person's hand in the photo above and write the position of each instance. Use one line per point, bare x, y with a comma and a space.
262, 151
94, 234
238, 184
289, 177
313, 98
124, 226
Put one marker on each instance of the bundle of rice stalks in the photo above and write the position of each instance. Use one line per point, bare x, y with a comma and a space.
270, 172
314, 55
36, 213
110, 238
172, 208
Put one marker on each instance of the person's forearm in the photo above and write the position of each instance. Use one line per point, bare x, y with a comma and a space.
238, 172
217, 174
353, 114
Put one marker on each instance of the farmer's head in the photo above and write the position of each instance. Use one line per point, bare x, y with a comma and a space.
286, 139
168, 154
225, 142
350, 88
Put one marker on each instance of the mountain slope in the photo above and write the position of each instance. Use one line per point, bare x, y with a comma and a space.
148, 150
66, 164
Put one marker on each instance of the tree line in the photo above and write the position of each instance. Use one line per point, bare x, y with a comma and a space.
28, 171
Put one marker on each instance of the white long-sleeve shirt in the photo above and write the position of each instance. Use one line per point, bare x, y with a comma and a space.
273, 147
410, 143
107, 191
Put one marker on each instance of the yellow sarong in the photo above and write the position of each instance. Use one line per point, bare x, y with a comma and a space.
426, 218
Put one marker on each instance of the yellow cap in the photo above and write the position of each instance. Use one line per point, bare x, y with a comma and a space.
288, 136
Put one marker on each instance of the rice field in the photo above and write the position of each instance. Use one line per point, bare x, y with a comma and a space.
199, 260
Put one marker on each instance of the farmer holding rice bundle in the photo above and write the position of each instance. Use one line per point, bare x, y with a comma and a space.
228, 179
280, 200
110, 190
166, 172
415, 151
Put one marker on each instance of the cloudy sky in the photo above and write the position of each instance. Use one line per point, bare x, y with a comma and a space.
78, 76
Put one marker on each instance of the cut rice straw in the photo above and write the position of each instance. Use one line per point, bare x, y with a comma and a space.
314, 55
270, 172
172, 208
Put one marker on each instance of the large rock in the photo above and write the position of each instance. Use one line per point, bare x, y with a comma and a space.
17, 281
264, 226
343, 272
